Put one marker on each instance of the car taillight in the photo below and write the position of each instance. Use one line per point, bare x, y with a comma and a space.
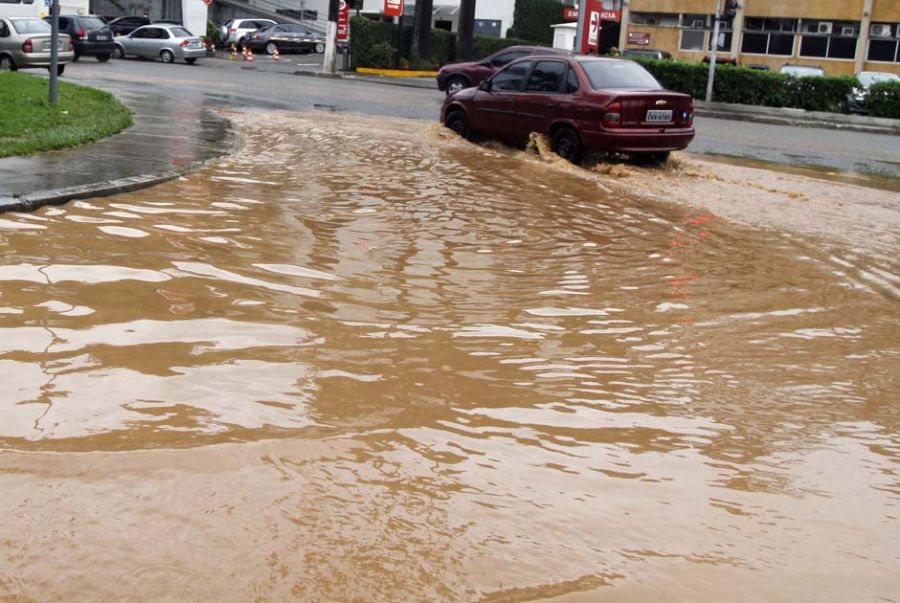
688, 116
234, 30
185, 43
256, 36
82, 34
613, 115
28, 46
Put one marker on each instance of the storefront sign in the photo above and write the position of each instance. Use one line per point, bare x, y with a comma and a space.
393, 8
594, 29
571, 14
343, 28
638, 38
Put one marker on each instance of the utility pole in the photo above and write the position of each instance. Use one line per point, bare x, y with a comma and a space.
466, 47
331, 35
712, 57
54, 49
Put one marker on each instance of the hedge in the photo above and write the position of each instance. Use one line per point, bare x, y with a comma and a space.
532, 20
753, 87
374, 44
884, 100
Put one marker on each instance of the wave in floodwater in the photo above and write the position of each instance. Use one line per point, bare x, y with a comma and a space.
456, 371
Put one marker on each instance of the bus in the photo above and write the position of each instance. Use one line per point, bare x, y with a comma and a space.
41, 8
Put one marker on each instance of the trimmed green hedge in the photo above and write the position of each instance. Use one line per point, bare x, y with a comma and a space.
532, 20
884, 100
374, 44
752, 87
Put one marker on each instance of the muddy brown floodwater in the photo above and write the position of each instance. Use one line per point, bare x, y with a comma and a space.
364, 361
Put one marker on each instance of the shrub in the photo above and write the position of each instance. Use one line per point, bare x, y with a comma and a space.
532, 20
751, 87
487, 45
884, 100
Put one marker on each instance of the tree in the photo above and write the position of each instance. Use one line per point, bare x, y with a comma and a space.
532, 20
421, 48
466, 34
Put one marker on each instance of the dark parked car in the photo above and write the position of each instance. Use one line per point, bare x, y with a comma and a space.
647, 53
125, 25
286, 38
581, 103
90, 35
457, 76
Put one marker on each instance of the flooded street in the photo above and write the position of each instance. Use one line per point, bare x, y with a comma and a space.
362, 360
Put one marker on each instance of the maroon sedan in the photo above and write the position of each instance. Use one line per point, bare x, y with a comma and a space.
453, 78
581, 103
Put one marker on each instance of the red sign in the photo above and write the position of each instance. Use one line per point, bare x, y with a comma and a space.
570, 14
393, 8
343, 30
638, 38
589, 25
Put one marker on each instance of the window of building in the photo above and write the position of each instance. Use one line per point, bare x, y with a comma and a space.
883, 43
692, 39
764, 35
829, 39
642, 18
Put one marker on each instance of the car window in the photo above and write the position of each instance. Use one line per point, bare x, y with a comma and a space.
139, 34
507, 57
511, 78
27, 26
63, 22
4, 30
180, 32
161, 34
618, 74
546, 76
572, 85
91, 23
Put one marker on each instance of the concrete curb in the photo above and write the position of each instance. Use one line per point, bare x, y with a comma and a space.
60, 196
798, 122
387, 81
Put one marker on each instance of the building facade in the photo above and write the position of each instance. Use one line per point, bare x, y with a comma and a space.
492, 17
843, 37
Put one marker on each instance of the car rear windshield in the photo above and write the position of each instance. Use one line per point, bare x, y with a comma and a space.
29, 26
180, 32
619, 74
91, 23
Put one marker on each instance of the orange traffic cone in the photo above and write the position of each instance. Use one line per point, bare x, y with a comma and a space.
275, 56
233, 52
249, 55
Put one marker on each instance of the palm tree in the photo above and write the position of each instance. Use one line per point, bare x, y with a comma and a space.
466, 30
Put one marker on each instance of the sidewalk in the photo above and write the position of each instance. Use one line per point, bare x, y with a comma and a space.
168, 139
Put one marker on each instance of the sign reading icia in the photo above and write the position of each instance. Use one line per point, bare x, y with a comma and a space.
571, 14
393, 8
343, 26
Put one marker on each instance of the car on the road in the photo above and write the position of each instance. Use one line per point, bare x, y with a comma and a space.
26, 42
122, 26
856, 101
802, 70
165, 42
582, 104
647, 53
285, 38
90, 35
236, 31
458, 76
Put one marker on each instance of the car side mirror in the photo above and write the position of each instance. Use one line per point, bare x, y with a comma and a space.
485, 85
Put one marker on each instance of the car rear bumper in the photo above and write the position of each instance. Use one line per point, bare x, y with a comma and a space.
41, 59
638, 141
90, 48
190, 53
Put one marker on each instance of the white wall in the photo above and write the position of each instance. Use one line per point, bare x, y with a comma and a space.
193, 16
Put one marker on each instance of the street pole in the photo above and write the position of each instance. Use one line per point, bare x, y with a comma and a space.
712, 58
331, 35
54, 49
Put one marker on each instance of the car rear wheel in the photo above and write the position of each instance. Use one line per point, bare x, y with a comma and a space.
167, 56
320, 48
119, 52
271, 48
652, 158
103, 57
7, 64
59, 69
567, 145
190, 61
459, 123
455, 84
75, 57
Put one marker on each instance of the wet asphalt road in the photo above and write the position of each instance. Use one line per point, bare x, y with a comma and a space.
219, 83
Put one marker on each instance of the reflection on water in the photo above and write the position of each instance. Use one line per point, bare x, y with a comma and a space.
358, 361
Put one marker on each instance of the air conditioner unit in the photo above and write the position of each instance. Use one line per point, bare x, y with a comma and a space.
698, 23
825, 27
880, 30
848, 30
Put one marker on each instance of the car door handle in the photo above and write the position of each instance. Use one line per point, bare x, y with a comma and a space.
510, 101
551, 105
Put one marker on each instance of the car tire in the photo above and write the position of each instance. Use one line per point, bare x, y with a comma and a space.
167, 56
59, 69
7, 64
567, 144
75, 57
190, 61
103, 57
458, 121
320, 48
455, 84
652, 158
271, 48
119, 52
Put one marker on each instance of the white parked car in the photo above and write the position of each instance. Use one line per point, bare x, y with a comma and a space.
237, 31
802, 70
856, 101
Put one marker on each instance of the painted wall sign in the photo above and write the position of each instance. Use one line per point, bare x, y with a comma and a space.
639, 38
343, 28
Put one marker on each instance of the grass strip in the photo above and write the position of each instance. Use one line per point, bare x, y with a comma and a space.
28, 124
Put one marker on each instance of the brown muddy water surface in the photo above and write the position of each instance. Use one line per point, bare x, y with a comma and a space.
363, 361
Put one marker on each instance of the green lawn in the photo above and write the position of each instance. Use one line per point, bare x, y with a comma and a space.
28, 124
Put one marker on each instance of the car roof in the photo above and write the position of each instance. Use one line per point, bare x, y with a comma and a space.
548, 49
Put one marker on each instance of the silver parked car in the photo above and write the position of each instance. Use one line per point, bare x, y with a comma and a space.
165, 42
25, 42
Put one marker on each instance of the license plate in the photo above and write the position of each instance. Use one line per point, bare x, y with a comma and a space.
46, 47
102, 37
659, 116
196, 45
